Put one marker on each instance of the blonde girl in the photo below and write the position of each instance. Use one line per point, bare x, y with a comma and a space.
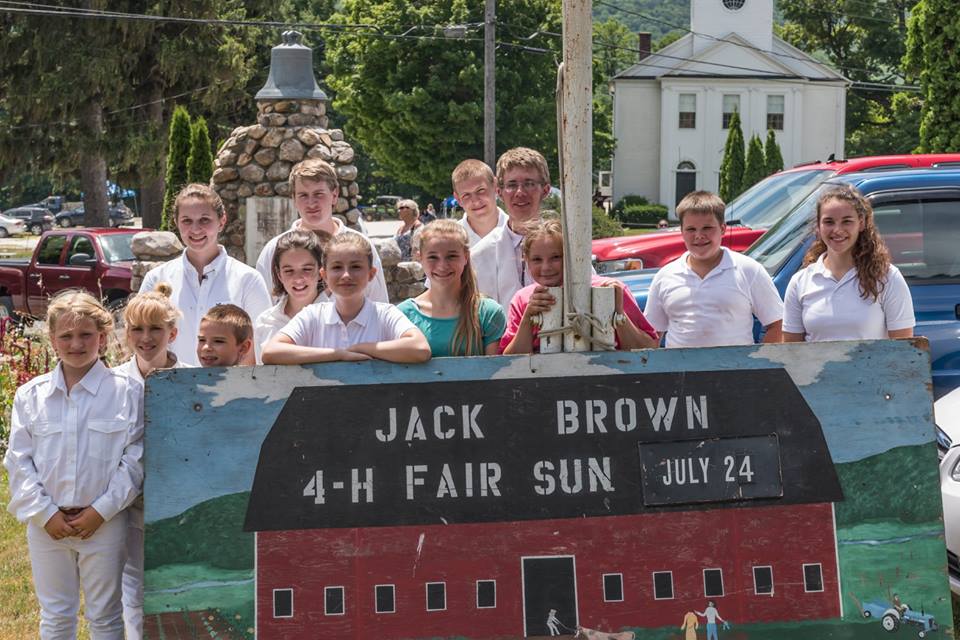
543, 255
296, 281
848, 289
204, 275
75, 464
150, 322
456, 319
350, 327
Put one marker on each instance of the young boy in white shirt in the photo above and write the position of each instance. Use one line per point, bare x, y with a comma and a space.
315, 188
523, 181
475, 190
708, 296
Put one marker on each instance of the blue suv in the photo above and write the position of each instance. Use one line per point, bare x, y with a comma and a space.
918, 214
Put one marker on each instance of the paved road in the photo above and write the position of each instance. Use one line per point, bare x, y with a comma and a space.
382, 228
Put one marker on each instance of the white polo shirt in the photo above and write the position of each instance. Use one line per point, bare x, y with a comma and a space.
268, 323
823, 308
320, 325
225, 281
716, 310
376, 290
472, 236
77, 450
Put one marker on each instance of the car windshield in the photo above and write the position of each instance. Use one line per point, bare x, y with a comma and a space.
765, 203
776, 245
116, 247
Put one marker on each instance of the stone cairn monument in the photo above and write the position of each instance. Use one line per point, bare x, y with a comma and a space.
252, 167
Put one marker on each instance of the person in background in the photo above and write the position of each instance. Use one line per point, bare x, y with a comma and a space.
75, 463
475, 190
204, 275
452, 314
663, 224
848, 289
225, 338
429, 215
409, 214
709, 295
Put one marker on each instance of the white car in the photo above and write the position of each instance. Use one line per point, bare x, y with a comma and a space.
947, 415
11, 226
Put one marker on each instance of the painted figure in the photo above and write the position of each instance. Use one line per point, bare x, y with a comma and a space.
690, 626
712, 615
552, 622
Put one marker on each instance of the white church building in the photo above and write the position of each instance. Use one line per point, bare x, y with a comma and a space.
671, 109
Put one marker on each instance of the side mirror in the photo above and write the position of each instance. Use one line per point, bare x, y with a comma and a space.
82, 260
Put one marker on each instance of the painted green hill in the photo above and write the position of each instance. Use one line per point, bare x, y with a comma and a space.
210, 532
903, 483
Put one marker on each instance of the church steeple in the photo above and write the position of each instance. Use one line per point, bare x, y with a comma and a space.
752, 20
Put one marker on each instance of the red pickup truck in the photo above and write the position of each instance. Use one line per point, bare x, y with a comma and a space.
98, 260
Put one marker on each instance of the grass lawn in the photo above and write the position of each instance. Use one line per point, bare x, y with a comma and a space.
627, 231
19, 612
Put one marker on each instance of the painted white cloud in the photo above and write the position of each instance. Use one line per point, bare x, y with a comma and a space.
553, 365
269, 383
805, 364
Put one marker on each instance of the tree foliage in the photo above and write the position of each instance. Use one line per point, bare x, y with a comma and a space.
732, 165
200, 161
178, 152
755, 168
772, 154
933, 54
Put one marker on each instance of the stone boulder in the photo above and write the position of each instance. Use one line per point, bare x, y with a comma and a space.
388, 250
153, 245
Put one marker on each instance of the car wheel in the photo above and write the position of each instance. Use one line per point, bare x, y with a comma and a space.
4, 233
922, 634
65, 222
36, 229
866, 614
890, 623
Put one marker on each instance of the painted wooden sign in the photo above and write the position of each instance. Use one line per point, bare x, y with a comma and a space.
786, 491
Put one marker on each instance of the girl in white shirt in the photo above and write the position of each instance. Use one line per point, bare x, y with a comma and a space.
204, 275
351, 327
75, 465
150, 322
848, 289
296, 280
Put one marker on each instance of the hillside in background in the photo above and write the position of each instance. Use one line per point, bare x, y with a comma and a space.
655, 16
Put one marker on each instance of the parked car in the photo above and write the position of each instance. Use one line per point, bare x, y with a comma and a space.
119, 216
11, 226
918, 214
753, 212
98, 260
946, 412
36, 219
54, 204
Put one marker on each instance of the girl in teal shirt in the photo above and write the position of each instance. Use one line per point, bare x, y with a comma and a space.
455, 317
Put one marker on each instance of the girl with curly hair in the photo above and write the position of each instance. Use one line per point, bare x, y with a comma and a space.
848, 289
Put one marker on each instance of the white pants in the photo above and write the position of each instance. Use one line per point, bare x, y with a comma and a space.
133, 574
62, 567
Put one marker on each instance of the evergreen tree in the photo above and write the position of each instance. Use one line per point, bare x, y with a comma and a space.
932, 43
756, 167
772, 155
178, 151
200, 161
731, 167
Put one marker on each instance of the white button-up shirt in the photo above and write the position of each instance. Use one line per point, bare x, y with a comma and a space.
498, 263
716, 310
472, 236
320, 325
824, 308
377, 288
225, 281
131, 370
77, 450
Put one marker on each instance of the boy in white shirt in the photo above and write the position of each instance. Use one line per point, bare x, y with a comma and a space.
523, 181
708, 296
475, 190
315, 188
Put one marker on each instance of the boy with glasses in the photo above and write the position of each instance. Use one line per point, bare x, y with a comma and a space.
523, 181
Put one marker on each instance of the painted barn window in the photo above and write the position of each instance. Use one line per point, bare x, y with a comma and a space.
283, 603
385, 597
436, 596
688, 111
613, 587
486, 594
713, 583
763, 581
812, 578
333, 601
731, 105
775, 113
663, 585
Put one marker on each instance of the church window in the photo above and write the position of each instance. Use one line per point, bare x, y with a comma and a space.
775, 112
731, 105
688, 111
734, 5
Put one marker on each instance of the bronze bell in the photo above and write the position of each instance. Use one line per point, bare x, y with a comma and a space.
291, 72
